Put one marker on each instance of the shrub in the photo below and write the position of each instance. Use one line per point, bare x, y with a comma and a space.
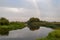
4, 21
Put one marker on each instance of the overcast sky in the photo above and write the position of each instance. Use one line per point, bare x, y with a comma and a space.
22, 10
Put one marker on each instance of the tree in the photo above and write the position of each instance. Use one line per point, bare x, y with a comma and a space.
33, 20
4, 21
33, 23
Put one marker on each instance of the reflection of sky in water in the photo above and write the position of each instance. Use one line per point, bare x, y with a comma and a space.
26, 34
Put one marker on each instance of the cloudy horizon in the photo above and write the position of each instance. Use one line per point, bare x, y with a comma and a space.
22, 10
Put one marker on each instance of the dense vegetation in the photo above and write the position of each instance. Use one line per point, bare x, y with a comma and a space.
6, 26
32, 24
54, 25
55, 35
35, 22
4, 21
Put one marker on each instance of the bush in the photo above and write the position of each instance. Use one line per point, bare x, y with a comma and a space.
4, 21
17, 25
34, 25
4, 30
55, 34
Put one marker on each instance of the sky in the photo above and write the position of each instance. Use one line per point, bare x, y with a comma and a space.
22, 10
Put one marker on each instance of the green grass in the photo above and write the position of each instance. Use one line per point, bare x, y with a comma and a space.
4, 29
55, 35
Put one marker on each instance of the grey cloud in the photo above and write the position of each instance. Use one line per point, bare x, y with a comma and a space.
46, 8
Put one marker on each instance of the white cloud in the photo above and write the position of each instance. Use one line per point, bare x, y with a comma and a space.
46, 9
14, 10
23, 14
17, 13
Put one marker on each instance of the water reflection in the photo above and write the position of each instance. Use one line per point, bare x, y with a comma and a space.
33, 28
26, 34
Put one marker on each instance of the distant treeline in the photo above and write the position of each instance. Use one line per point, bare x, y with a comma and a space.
33, 22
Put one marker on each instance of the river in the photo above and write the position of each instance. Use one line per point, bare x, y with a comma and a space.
26, 34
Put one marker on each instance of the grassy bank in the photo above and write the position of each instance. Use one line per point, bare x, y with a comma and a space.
4, 29
55, 35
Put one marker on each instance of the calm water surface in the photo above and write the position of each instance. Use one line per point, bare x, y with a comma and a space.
26, 34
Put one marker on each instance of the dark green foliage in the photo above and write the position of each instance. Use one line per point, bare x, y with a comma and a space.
33, 23
4, 30
4, 21
6, 26
54, 25
33, 20
54, 34
17, 25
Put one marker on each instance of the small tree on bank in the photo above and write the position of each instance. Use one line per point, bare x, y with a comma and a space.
4, 21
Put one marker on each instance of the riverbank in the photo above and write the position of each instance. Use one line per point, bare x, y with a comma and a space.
54, 35
4, 29
53, 25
